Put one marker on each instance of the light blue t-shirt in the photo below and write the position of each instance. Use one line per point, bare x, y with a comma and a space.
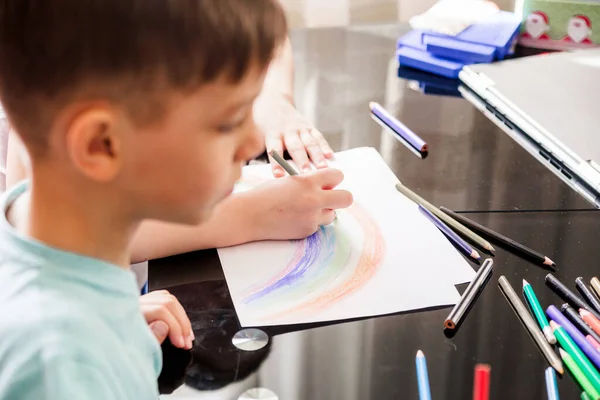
70, 326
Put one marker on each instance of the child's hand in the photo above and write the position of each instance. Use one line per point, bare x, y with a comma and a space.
295, 206
286, 129
167, 318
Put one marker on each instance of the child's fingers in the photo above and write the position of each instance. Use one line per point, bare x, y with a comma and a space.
160, 330
179, 313
162, 313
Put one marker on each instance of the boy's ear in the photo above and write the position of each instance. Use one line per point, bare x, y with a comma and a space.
94, 144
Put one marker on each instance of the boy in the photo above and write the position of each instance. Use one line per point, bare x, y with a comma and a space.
274, 210
129, 110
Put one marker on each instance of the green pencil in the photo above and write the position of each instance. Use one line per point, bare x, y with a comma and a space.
536, 307
579, 376
584, 396
578, 357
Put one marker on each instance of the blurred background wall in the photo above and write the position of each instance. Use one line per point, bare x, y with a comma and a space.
318, 13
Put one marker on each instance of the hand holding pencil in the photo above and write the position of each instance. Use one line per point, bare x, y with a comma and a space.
326, 180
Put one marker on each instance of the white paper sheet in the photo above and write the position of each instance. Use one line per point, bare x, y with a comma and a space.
381, 256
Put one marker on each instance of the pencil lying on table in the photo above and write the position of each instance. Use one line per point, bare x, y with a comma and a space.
579, 376
468, 297
422, 377
453, 237
408, 137
567, 295
573, 316
473, 237
576, 354
481, 383
595, 285
554, 313
538, 311
587, 294
527, 320
551, 385
501, 239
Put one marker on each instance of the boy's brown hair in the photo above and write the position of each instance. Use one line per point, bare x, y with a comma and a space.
128, 51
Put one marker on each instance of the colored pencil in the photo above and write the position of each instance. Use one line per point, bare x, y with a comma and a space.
578, 375
595, 344
591, 320
576, 354
567, 295
287, 166
551, 384
481, 383
389, 121
584, 396
531, 326
579, 323
588, 294
595, 285
574, 333
453, 237
284, 164
468, 297
538, 311
500, 239
473, 237
422, 377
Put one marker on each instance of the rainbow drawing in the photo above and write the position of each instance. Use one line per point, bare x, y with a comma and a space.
323, 269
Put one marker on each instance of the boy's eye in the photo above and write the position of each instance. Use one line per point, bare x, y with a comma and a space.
230, 127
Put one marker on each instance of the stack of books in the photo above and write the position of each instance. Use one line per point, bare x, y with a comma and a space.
486, 41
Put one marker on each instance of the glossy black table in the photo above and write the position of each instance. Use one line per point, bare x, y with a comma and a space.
473, 167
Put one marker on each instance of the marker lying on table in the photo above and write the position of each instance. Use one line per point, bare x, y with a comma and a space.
408, 137
286, 166
501, 239
449, 233
481, 242
469, 295
422, 377
535, 332
538, 311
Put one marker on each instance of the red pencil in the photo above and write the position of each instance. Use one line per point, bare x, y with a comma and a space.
481, 386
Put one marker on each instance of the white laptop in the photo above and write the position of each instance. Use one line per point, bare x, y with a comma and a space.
550, 105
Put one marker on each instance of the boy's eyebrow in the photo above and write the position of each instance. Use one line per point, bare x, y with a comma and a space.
243, 103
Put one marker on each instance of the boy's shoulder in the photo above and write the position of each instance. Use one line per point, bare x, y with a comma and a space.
45, 352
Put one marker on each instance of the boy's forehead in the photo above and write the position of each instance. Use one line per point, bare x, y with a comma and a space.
242, 91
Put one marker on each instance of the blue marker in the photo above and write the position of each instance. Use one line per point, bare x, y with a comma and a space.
422, 377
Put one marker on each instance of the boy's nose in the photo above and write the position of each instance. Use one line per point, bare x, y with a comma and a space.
253, 144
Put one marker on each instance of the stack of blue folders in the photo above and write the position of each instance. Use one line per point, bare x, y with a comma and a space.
484, 42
